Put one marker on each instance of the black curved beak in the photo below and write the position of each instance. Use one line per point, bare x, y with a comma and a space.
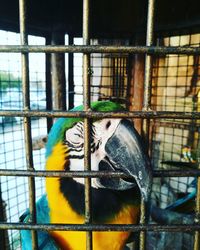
126, 152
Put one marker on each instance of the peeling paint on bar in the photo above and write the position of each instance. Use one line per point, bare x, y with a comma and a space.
86, 104
147, 101
158, 50
27, 120
101, 115
94, 174
99, 227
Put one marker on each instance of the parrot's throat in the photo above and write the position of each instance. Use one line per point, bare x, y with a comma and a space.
105, 203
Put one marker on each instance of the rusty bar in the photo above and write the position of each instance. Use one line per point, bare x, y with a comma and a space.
86, 103
70, 76
2, 219
94, 174
158, 50
197, 210
197, 216
142, 221
147, 101
148, 58
27, 120
99, 227
147, 82
138, 88
101, 115
58, 73
49, 101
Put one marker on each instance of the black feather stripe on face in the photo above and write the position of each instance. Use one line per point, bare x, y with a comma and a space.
76, 147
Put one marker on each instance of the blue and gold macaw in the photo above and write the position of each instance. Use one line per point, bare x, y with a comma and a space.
115, 145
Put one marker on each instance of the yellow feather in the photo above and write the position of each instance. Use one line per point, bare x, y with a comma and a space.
61, 212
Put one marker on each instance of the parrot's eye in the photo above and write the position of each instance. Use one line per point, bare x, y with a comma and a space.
74, 138
108, 124
75, 135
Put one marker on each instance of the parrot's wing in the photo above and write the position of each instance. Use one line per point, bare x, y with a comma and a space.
45, 241
185, 204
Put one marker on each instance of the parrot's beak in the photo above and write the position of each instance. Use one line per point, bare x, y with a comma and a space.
125, 152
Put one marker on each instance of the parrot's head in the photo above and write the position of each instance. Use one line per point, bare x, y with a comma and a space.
115, 146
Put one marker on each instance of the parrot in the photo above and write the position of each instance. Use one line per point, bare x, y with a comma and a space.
115, 146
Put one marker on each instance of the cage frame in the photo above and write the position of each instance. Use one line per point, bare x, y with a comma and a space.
149, 50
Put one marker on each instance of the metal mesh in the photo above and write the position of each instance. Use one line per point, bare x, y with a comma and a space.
12, 153
109, 75
15, 189
175, 87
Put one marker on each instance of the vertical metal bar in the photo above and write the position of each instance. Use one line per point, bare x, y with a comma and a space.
27, 121
113, 76
197, 219
148, 58
49, 102
86, 102
70, 76
128, 95
191, 138
137, 79
58, 72
147, 99
142, 221
2, 219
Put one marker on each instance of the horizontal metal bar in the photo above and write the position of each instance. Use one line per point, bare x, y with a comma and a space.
101, 227
176, 173
94, 114
95, 174
161, 50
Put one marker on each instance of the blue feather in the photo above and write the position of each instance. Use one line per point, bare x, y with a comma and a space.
54, 135
182, 201
187, 199
45, 241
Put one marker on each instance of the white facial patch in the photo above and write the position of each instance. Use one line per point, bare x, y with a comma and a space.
74, 138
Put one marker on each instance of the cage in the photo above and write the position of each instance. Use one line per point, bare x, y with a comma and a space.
142, 54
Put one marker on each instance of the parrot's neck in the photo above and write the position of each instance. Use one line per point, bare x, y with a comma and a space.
106, 204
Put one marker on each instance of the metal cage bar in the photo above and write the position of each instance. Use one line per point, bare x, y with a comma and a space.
147, 100
157, 50
49, 101
148, 58
86, 103
102, 227
94, 174
197, 233
70, 76
87, 114
93, 114
27, 120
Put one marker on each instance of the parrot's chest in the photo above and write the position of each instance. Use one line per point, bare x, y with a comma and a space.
101, 240
73, 240
61, 212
